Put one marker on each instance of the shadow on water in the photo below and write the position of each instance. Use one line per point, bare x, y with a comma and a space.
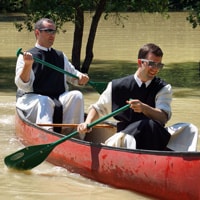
184, 77
7, 73
182, 74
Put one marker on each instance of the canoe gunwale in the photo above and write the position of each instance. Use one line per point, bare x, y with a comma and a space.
20, 114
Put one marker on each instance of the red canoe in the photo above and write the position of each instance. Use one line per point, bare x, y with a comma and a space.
164, 175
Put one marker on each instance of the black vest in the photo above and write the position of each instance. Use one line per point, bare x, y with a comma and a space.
48, 81
126, 88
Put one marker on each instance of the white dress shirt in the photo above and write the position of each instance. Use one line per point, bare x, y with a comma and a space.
162, 101
28, 87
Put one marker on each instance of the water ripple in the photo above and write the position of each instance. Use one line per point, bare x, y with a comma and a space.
6, 119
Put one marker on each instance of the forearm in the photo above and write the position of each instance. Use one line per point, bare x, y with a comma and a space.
162, 110
92, 116
21, 81
151, 112
155, 113
26, 73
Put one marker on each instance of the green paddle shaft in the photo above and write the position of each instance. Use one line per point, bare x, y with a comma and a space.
100, 87
93, 124
30, 157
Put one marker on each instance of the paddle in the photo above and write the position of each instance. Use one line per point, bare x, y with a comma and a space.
99, 86
75, 125
31, 156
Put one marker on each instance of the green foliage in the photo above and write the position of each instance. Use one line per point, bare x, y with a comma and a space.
194, 16
62, 11
136, 6
11, 5
58, 10
192, 6
114, 7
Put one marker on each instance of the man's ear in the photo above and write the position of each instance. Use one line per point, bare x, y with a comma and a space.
36, 33
139, 62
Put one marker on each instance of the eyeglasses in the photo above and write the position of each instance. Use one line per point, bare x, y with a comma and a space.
153, 64
49, 31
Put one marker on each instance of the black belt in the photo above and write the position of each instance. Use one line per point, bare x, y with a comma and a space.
58, 114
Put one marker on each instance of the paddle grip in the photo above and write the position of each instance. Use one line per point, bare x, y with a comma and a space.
19, 51
108, 116
92, 124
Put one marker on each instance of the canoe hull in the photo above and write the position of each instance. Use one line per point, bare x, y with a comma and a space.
164, 175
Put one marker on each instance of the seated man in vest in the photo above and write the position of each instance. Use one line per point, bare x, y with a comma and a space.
142, 126
43, 93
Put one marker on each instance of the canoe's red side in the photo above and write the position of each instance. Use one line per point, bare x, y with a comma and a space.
163, 175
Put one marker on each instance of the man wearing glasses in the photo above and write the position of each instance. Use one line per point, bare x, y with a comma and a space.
43, 93
141, 126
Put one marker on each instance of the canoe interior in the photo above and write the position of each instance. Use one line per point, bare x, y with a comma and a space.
100, 135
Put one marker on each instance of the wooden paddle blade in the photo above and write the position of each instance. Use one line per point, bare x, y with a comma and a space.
29, 157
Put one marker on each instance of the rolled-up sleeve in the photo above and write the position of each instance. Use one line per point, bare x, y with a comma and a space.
103, 105
164, 99
28, 86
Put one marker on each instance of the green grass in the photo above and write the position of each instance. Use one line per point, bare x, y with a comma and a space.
184, 77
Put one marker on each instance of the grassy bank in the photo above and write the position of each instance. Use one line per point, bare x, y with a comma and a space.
184, 77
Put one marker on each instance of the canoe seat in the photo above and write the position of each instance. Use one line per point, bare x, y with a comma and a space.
100, 135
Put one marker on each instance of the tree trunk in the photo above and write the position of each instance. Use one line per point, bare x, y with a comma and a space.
91, 37
78, 35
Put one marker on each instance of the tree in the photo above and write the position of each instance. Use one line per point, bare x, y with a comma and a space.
62, 11
11, 5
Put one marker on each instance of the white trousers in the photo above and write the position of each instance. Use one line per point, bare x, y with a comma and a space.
184, 137
39, 109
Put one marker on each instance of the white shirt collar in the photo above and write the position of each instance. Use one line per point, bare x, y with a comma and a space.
41, 47
139, 82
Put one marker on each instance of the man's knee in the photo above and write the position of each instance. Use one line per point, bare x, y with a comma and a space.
45, 101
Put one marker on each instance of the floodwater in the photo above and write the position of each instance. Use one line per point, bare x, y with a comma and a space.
48, 182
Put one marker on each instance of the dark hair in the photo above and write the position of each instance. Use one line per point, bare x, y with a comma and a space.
39, 23
149, 48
